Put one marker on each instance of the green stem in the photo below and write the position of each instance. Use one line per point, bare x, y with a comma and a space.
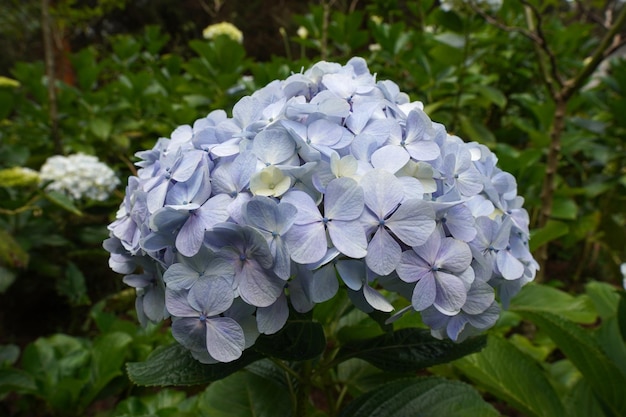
304, 388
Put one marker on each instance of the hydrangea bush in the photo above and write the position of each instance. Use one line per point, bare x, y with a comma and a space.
327, 177
78, 176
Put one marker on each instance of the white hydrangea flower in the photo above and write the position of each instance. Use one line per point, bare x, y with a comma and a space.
79, 176
223, 28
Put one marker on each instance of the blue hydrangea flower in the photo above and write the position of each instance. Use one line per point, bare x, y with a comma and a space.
232, 221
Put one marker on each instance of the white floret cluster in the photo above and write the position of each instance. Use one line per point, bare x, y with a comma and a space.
79, 176
223, 28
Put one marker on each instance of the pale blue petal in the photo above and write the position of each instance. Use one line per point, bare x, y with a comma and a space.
454, 255
273, 146
390, 158
167, 219
211, 296
413, 223
423, 150
177, 304
154, 303
451, 293
412, 267
282, 257
225, 339
258, 287
352, 273
470, 182
324, 284
376, 299
246, 111
460, 222
479, 298
382, 192
509, 266
424, 293
306, 243
190, 332
383, 253
429, 251
299, 297
187, 165
323, 133
190, 236
156, 196
307, 209
348, 237
180, 277
343, 200
272, 318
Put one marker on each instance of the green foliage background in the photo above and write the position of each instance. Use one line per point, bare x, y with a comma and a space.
522, 80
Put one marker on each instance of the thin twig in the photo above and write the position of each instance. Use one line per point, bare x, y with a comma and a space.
544, 43
46, 26
571, 86
495, 22
546, 74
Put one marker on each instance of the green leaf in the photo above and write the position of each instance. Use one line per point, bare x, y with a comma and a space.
536, 297
564, 208
492, 94
298, 340
107, 359
174, 365
11, 255
476, 131
580, 402
425, 397
513, 377
101, 128
245, 394
9, 355
62, 201
408, 350
621, 315
73, 286
551, 231
604, 298
609, 337
16, 380
603, 376
7, 278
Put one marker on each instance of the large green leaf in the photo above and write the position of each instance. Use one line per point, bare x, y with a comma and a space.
408, 350
424, 397
107, 359
62, 201
604, 297
174, 365
513, 377
16, 380
603, 376
73, 286
551, 231
245, 394
580, 402
298, 340
535, 297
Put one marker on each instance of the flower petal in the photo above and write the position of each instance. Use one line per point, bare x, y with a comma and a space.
225, 339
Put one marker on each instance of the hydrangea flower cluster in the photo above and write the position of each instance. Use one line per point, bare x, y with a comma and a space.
329, 174
79, 176
223, 28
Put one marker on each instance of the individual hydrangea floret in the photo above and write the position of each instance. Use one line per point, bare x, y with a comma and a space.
329, 178
223, 28
79, 176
